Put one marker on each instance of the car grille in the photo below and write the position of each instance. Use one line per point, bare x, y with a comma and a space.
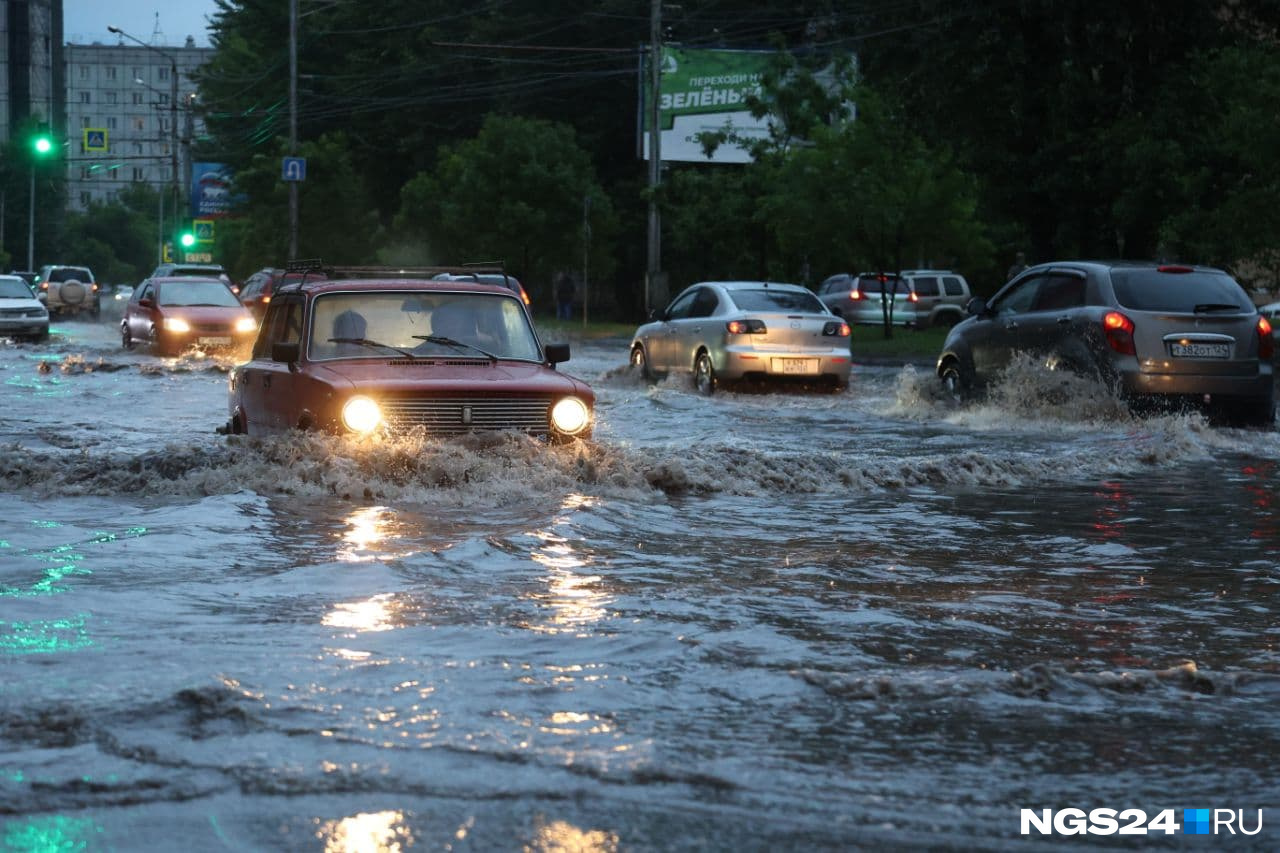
211, 328
453, 415
19, 312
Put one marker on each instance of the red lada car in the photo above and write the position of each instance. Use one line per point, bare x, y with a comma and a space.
359, 354
174, 313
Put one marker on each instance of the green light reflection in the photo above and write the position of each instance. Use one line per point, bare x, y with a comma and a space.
52, 834
44, 636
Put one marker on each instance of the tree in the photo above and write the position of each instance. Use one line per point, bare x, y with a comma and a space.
515, 193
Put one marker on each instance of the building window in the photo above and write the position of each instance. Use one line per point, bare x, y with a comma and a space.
84, 121
137, 148
139, 123
111, 97
162, 73
137, 73
137, 97
139, 173
111, 122
86, 172
86, 97
111, 72
164, 125
164, 99
84, 72
85, 198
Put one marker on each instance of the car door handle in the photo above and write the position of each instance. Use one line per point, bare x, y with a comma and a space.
1062, 321
1011, 325
266, 380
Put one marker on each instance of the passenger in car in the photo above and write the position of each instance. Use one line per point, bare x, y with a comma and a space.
351, 325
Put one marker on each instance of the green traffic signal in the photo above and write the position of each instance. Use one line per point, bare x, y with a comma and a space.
43, 145
187, 239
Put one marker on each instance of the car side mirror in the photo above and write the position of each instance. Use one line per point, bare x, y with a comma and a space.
658, 314
977, 306
556, 353
286, 352
145, 302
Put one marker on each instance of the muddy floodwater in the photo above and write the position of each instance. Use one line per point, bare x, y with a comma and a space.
861, 621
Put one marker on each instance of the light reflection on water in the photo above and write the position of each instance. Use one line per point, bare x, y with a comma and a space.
379, 832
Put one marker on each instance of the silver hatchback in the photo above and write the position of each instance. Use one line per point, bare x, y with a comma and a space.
1160, 334
720, 331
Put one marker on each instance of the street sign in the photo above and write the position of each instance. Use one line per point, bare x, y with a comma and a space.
203, 230
95, 139
198, 257
293, 168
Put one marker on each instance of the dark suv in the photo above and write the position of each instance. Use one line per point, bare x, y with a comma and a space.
1156, 333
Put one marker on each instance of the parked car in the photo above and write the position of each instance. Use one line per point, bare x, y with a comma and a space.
356, 352
172, 314
1272, 312
29, 276
175, 270
860, 299
21, 314
67, 290
717, 331
1158, 333
258, 288
508, 281
940, 296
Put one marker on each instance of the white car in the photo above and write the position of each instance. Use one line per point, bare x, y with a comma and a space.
21, 314
724, 331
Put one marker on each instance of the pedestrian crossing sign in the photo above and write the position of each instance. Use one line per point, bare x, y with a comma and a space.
95, 139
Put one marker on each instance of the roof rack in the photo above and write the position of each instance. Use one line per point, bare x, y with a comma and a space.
316, 265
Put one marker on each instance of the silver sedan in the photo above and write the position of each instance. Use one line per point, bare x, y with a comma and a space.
722, 331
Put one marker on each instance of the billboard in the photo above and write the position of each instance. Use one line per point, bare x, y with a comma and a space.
700, 91
210, 190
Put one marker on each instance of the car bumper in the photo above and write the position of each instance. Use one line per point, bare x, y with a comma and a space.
23, 326
1139, 384
794, 364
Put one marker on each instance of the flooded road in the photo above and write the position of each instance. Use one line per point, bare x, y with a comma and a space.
858, 621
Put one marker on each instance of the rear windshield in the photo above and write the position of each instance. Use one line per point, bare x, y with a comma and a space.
1152, 290
70, 273
776, 300
873, 284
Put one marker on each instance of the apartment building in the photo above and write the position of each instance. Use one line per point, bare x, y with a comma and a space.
31, 81
124, 125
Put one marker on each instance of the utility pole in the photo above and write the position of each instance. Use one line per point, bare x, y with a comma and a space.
293, 125
655, 153
586, 255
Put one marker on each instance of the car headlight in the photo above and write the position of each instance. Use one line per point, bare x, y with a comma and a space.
246, 324
176, 324
360, 414
570, 416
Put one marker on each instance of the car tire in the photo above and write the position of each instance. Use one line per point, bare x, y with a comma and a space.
704, 374
126, 339
41, 337
640, 360
953, 382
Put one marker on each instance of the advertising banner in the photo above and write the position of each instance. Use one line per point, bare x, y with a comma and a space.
700, 91
210, 190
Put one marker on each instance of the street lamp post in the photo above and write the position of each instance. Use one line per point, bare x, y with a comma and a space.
173, 108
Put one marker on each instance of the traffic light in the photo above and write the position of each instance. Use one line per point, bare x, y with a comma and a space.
187, 236
42, 142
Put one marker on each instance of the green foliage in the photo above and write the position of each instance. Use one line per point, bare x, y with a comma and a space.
116, 239
518, 192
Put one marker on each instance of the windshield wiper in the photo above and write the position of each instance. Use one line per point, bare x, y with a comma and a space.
450, 342
1206, 307
365, 342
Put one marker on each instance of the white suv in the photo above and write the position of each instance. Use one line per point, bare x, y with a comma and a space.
67, 290
940, 296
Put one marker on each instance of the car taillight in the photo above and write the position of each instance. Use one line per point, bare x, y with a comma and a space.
1266, 346
266, 298
855, 295
44, 285
913, 297
1174, 268
1119, 332
837, 329
746, 327
93, 286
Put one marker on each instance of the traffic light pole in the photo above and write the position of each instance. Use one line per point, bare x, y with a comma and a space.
31, 222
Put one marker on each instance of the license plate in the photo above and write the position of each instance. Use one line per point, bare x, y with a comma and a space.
796, 366
1200, 350
215, 342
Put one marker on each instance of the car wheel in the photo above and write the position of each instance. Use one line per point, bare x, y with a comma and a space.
953, 382
704, 374
640, 361
41, 337
126, 340
1260, 412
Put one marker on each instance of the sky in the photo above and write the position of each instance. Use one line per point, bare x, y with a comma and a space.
86, 21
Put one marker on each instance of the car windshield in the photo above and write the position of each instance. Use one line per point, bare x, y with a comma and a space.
1183, 292
177, 293
14, 288
424, 323
874, 284
70, 273
777, 300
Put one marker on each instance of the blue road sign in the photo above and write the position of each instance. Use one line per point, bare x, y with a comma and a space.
293, 168
95, 139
